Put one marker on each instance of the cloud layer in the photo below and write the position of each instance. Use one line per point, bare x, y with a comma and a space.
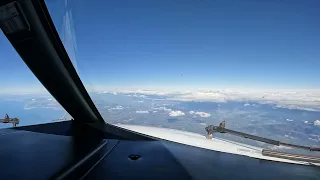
305, 100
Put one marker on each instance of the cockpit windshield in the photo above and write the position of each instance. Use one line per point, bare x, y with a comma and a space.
185, 65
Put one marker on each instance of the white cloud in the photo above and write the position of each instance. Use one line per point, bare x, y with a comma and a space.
176, 113
166, 109
312, 139
142, 112
117, 108
253, 105
199, 96
163, 109
171, 112
154, 111
316, 122
306, 122
290, 120
203, 114
138, 95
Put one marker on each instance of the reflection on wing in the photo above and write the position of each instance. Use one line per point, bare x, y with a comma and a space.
221, 129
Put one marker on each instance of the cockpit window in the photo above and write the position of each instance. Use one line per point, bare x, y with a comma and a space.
185, 65
23, 99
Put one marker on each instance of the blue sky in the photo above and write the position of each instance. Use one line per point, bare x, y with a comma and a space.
179, 44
